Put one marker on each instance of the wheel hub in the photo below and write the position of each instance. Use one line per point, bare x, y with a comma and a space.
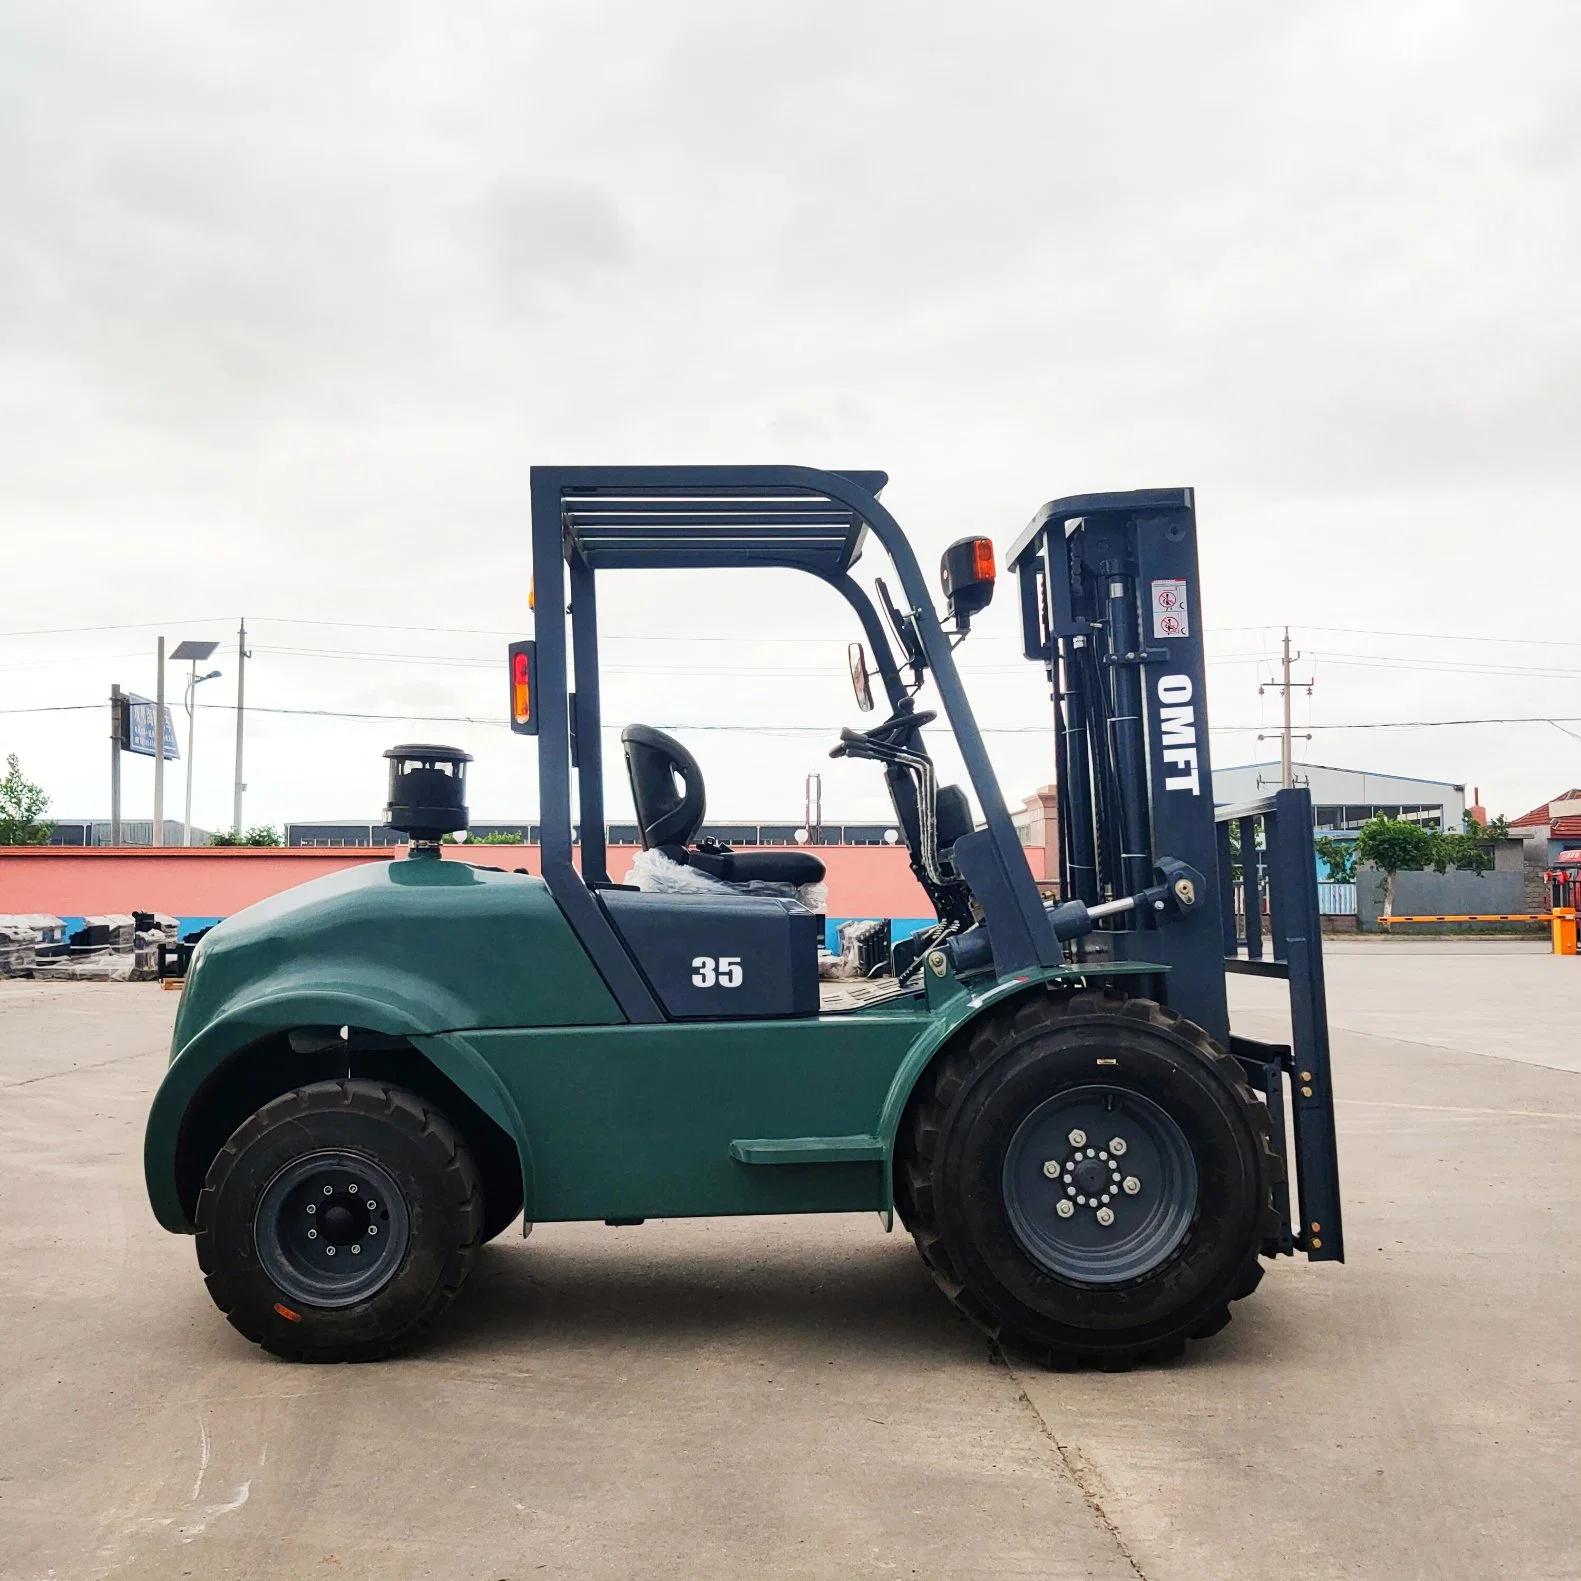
341, 1225
1100, 1184
331, 1229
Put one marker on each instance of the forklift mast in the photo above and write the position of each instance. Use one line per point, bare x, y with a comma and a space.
1111, 606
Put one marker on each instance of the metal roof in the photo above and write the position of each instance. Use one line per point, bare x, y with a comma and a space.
690, 525
1335, 768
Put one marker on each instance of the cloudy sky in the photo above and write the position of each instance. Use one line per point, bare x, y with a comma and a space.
292, 296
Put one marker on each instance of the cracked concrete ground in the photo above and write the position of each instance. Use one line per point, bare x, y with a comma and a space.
790, 1397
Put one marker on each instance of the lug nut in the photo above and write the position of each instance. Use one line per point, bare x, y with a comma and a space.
356, 1251
1106, 1217
1118, 1145
1051, 1168
352, 1188
312, 1235
1063, 1208
329, 1191
1130, 1185
371, 1204
329, 1251
312, 1207
373, 1229
1078, 1139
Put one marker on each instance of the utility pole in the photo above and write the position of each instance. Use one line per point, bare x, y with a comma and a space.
813, 809
241, 705
159, 750
115, 765
192, 724
1287, 776
192, 652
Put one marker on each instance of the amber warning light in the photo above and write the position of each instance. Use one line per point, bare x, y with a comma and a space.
524, 686
967, 574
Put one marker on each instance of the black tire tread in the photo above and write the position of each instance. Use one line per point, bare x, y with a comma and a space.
921, 1128
432, 1130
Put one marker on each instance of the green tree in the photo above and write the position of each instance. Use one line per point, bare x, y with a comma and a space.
1473, 849
259, 834
1395, 845
22, 806
498, 837
1338, 856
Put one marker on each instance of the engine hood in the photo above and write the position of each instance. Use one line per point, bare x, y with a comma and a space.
430, 946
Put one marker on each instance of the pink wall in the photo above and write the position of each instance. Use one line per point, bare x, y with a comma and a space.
214, 881
864, 880
207, 881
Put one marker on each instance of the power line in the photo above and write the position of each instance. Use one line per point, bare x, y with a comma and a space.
1441, 636
133, 625
502, 631
1439, 666
1558, 721
74, 658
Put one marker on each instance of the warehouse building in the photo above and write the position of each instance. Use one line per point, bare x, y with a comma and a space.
1344, 799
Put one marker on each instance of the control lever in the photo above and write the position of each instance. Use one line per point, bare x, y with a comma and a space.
1177, 892
868, 743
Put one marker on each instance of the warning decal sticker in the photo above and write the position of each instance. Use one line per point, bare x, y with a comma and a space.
1169, 609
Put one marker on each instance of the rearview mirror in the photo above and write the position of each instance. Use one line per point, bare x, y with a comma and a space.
856, 655
967, 573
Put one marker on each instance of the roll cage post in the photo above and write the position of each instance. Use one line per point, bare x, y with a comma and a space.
587, 519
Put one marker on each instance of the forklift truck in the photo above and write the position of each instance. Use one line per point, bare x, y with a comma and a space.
376, 1072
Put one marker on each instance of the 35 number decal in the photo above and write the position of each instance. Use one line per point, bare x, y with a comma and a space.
723, 971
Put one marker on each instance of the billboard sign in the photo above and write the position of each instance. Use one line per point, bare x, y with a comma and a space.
137, 727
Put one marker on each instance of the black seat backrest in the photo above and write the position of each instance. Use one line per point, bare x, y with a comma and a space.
954, 815
667, 814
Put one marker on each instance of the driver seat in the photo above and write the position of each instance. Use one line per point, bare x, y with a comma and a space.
669, 814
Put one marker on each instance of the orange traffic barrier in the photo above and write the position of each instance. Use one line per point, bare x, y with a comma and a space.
1489, 916
1564, 930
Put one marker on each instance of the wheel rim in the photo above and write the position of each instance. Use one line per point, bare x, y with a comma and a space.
331, 1229
1127, 1208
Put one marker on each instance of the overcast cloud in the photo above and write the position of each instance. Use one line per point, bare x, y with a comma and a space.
291, 297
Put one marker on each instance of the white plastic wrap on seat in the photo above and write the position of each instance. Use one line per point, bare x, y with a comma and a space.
655, 872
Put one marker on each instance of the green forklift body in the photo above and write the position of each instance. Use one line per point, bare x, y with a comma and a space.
405, 949
479, 972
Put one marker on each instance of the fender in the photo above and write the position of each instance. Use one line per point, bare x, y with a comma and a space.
270, 1013
955, 1007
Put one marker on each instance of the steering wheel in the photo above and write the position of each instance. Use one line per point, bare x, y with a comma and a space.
852, 741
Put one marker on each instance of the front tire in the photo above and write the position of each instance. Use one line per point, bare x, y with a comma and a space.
1091, 1175
339, 1221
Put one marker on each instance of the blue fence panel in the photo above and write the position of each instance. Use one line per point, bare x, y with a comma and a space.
1336, 900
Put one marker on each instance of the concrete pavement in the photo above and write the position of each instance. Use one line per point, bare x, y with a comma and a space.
790, 1397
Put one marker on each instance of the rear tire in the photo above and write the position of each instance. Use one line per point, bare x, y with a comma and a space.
1091, 1256
339, 1221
